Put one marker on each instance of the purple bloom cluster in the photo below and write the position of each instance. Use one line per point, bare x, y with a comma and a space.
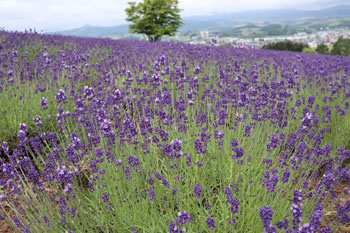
161, 178
183, 217
266, 214
211, 223
270, 182
297, 208
197, 190
233, 202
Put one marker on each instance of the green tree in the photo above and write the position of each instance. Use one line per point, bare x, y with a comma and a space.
154, 18
322, 49
341, 47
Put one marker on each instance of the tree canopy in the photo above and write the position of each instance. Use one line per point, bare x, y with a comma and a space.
341, 47
322, 49
154, 18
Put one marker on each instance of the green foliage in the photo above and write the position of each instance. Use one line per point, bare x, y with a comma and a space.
322, 49
308, 50
154, 18
341, 47
286, 45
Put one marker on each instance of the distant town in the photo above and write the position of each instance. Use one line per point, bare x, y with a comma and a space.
323, 36
326, 37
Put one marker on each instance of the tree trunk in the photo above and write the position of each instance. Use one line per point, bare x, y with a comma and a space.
152, 38
157, 38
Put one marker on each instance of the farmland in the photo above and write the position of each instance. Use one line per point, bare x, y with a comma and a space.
101, 135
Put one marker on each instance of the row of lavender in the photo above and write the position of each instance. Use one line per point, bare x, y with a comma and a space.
126, 136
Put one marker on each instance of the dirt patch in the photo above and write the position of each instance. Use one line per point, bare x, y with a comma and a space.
330, 205
4, 226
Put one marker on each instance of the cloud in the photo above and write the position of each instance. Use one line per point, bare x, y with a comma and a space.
60, 14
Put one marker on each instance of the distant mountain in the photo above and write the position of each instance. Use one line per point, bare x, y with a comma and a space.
97, 31
226, 21
337, 11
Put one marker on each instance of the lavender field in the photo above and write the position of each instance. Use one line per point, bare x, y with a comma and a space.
101, 135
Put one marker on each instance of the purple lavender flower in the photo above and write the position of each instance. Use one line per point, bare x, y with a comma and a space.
297, 215
73, 212
23, 127
315, 219
207, 205
301, 148
247, 131
197, 190
199, 147
234, 143
326, 229
173, 228
5, 147
274, 142
37, 120
46, 220
239, 152
342, 212
161, 178
98, 152
22, 136
174, 191
177, 145
60, 96
105, 197
270, 182
150, 179
93, 166
211, 223
199, 163
188, 160
43, 103
151, 194
306, 228
298, 197
283, 224
17, 222
233, 202
266, 214
133, 230
311, 100
286, 174
183, 217
133, 161
127, 173
88, 93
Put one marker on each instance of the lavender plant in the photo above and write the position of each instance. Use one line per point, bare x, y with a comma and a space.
129, 136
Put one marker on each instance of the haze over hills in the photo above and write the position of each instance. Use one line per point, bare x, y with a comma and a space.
260, 22
97, 31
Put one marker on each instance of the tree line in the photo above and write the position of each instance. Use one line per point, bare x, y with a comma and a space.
341, 47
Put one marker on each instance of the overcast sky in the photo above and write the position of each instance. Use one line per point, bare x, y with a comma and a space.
54, 15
